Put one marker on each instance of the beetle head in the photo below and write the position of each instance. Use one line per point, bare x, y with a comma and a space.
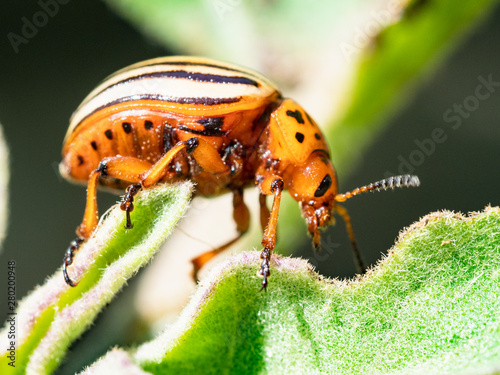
314, 185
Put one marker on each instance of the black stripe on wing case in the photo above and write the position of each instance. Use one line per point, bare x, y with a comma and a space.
180, 100
192, 63
204, 77
182, 74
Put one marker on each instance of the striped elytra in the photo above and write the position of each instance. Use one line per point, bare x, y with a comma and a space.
222, 126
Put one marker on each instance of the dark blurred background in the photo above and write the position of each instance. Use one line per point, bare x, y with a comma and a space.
45, 81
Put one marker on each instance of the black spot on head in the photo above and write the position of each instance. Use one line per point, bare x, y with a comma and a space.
148, 125
317, 136
299, 137
108, 134
127, 128
323, 186
80, 160
296, 115
94, 145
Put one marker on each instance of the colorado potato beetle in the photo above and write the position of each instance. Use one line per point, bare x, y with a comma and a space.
223, 127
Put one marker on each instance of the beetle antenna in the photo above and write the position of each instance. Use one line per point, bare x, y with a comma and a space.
387, 183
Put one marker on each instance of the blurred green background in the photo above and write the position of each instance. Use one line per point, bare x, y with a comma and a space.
42, 84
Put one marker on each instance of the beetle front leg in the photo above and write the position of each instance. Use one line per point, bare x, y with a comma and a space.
272, 184
264, 211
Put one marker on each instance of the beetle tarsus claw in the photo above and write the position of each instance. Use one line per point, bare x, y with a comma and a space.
68, 259
264, 271
264, 285
129, 224
127, 204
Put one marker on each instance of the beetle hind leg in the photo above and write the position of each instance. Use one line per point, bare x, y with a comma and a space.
241, 216
85, 229
125, 168
141, 174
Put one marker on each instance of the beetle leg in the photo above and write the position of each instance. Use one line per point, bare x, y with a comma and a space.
137, 171
141, 174
90, 215
264, 211
127, 204
203, 152
206, 155
125, 168
241, 216
358, 259
272, 184
157, 171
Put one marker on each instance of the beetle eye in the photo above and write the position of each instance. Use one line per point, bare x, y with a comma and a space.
323, 186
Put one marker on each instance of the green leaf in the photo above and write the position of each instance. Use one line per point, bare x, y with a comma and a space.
54, 315
431, 306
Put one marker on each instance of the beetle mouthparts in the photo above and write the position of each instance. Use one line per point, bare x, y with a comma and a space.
316, 218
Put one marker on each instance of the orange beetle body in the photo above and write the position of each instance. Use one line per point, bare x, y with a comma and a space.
221, 126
